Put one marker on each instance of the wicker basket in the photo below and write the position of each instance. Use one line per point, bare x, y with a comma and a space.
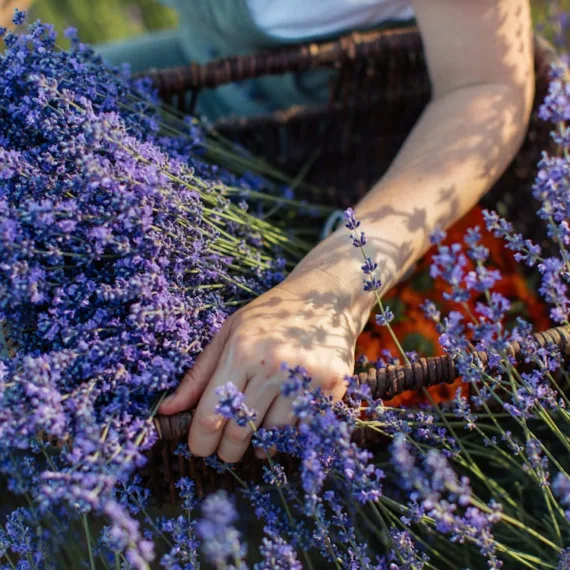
380, 88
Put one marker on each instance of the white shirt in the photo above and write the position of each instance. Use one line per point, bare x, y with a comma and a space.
294, 19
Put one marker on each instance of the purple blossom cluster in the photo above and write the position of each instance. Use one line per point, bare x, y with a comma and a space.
231, 405
531, 397
516, 416
437, 492
327, 457
220, 539
320, 509
435, 489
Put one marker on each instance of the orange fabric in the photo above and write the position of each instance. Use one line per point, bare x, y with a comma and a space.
418, 333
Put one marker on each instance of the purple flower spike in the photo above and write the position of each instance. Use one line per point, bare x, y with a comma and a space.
297, 380
372, 284
231, 406
220, 540
19, 17
350, 221
112, 280
369, 266
437, 236
384, 319
359, 240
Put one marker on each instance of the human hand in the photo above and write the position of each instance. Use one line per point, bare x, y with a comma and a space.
293, 323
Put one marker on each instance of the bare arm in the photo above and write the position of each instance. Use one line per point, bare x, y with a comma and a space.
481, 65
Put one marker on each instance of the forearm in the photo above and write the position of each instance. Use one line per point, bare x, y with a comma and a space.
460, 146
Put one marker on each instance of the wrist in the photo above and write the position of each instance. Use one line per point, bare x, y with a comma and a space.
332, 273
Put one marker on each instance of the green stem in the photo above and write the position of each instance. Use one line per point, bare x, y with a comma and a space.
7, 556
383, 312
282, 497
88, 538
514, 522
417, 538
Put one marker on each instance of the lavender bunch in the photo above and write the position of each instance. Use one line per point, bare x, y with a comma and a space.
316, 511
122, 252
507, 467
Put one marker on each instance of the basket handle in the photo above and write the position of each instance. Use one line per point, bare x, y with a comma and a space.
300, 57
393, 380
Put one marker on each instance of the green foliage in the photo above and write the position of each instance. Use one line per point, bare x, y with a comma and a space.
105, 20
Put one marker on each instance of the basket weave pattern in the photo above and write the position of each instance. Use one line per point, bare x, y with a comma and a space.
380, 90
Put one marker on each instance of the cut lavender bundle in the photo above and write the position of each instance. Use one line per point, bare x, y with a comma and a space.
121, 256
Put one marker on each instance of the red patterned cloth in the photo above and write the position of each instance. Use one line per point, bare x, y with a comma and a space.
416, 332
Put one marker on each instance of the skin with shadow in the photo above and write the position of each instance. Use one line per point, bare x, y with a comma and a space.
480, 61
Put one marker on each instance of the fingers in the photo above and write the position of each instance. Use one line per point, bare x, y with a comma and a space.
273, 410
207, 426
260, 381
196, 378
260, 394
280, 414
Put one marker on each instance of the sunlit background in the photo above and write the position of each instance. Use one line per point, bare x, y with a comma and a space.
106, 20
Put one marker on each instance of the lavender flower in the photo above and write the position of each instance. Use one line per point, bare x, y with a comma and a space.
382, 319
220, 540
182, 530
277, 555
555, 108
564, 561
297, 380
406, 554
437, 236
350, 220
122, 252
449, 264
19, 17
443, 496
230, 405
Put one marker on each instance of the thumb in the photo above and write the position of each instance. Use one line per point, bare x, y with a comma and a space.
197, 377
